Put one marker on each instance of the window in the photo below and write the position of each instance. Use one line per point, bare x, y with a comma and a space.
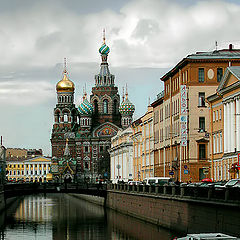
65, 117
201, 124
101, 149
213, 116
219, 74
201, 75
105, 106
201, 99
214, 144
86, 149
115, 107
220, 148
220, 114
202, 151
95, 106
217, 115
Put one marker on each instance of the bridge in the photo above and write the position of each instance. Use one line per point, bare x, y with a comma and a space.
21, 189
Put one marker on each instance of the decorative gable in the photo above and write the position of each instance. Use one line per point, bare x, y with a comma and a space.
230, 78
106, 130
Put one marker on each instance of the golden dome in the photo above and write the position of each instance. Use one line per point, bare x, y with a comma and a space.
65, 85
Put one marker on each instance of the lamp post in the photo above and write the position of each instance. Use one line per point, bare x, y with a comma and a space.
118, 168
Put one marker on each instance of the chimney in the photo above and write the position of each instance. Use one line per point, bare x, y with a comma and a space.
230, 47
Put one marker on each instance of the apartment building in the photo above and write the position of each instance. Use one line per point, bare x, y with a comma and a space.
225, 126
183, 151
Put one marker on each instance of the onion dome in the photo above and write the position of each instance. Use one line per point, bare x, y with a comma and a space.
85, 108
127, 108
65, 85
104, 49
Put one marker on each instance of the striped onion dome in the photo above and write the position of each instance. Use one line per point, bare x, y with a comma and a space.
85, 108
127, 108
104, 49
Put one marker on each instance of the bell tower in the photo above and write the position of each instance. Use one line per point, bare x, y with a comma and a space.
105, 98
65, 114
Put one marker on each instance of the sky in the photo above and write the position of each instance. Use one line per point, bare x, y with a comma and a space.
146, 39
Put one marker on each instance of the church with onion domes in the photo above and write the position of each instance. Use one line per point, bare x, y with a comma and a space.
86, 130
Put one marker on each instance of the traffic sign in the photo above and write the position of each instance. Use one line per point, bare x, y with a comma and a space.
171, 173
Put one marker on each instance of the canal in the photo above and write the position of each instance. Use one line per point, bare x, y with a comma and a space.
61, 216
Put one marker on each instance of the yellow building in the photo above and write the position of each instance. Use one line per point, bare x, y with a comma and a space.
147, 144
35, 169
225, 126
143, 146
137, 149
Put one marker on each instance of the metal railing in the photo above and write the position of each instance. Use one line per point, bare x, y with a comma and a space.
227, 194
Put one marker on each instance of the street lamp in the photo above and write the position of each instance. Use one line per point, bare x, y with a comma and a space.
118, 168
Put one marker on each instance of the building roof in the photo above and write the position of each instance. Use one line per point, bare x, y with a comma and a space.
217, 54
223, 54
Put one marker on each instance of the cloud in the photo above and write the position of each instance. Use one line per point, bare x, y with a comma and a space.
146, 38
22, 93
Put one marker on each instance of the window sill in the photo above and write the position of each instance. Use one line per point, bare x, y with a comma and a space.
202, 106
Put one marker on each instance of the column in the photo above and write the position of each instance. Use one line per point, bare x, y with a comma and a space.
38, 169
225, 127
25, 170
29, 171
233, 127
47, 168
229, 127
237, 124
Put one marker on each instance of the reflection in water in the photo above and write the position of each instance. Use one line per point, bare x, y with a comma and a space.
60, 216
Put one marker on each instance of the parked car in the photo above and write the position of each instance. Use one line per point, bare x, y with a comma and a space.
230, 183
134, 182
207, 236
157, 181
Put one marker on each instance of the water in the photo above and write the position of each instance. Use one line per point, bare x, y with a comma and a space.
60, 216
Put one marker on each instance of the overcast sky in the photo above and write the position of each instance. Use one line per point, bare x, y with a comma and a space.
146, 39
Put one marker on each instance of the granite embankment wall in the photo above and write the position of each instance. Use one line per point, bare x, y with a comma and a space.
176, 213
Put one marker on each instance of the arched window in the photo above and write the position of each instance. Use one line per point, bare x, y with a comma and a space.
95, 106
105, 106
115, 107
57, 116
65, 117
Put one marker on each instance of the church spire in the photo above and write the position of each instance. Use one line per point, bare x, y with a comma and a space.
66, 151
104, 78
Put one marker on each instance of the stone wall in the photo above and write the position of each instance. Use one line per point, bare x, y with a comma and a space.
178, 214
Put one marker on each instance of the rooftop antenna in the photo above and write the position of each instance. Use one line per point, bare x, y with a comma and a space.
149, 101
216, 45
1, 140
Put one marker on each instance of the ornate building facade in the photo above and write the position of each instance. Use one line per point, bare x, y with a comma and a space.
90, 126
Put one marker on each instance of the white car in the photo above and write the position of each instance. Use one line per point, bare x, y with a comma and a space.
207, 236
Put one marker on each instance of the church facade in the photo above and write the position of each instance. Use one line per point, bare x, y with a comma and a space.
87, 129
